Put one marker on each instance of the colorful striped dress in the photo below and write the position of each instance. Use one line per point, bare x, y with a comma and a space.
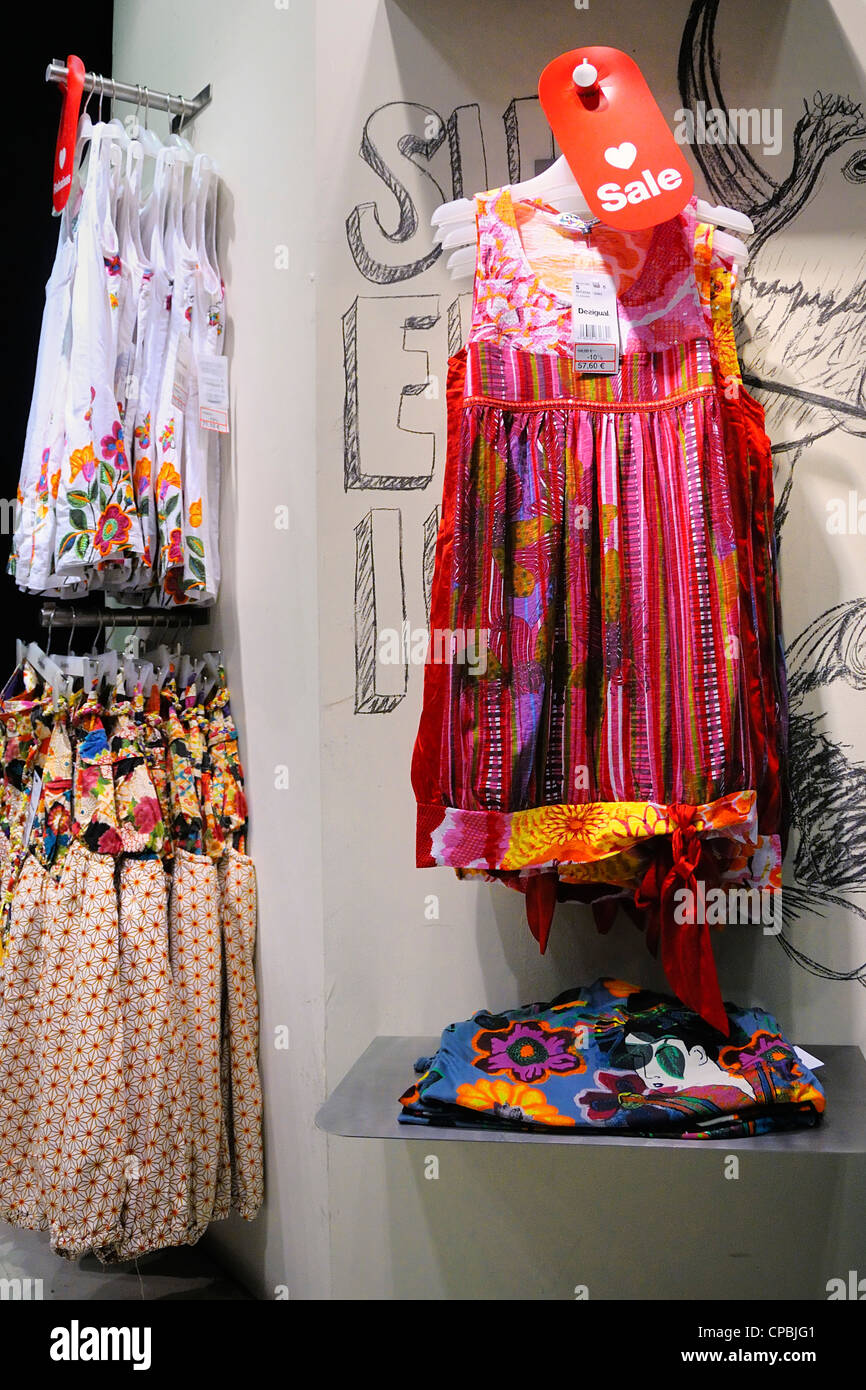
604, 667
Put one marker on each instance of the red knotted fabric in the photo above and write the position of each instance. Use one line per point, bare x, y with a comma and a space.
540, 905
685, 948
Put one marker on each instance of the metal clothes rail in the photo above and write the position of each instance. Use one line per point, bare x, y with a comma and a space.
69, 615
184, 109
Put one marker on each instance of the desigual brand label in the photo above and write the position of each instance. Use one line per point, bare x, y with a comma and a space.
630, 169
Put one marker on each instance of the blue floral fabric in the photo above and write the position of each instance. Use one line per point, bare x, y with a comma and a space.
612, 1056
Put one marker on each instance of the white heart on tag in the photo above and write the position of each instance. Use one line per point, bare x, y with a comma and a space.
61, 158
621, 156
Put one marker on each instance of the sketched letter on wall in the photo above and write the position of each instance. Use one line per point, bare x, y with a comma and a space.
392, 325
380, 608
428, 558
402, 134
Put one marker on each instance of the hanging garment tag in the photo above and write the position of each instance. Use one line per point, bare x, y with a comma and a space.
180, 389
213, 394
595, 324
807, 1059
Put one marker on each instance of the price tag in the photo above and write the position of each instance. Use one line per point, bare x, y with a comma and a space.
595, 324
629, 167
213, 394
180, 389
807, 1059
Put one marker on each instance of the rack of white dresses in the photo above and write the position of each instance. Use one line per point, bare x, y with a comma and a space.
183, 109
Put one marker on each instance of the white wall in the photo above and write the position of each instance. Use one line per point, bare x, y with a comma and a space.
259, 128
356, 933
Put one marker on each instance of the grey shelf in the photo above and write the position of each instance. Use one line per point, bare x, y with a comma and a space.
365, 1106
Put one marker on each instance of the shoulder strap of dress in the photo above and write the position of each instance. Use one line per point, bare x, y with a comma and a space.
490, 241
703, 251
715, 283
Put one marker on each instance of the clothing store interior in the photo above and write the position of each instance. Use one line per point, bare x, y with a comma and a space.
432, 847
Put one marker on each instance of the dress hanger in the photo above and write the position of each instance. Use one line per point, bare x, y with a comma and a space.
178, 200
205, 177
154, 213
73, 667
211, 208
132, 200
454, 223
151, 146
211, 664
80, 162
48, 670
148, 138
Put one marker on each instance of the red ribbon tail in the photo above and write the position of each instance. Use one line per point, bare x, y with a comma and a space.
540, 903
604, 912
647, 901
688, 962
685, 949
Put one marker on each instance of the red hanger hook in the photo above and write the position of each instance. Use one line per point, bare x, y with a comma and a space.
64, 156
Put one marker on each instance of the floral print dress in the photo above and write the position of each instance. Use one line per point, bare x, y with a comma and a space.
130, 1100
97, 524
110, 496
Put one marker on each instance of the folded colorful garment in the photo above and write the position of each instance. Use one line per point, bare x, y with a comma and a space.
616, 1057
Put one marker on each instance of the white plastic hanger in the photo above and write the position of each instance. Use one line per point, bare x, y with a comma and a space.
135, 157
151, 146
48, 670
205, 179
454, 222
153, 217
144, 677
211, 663
83, 149
211, 209
180, 142
109, 667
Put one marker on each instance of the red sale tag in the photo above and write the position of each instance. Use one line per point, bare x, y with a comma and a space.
65, 152
619, 147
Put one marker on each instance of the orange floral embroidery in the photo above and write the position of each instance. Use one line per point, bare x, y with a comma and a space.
195, 513
167, 477
79, 459
141, 474
532, 1104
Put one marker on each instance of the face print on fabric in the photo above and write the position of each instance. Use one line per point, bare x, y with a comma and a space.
669, 1064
